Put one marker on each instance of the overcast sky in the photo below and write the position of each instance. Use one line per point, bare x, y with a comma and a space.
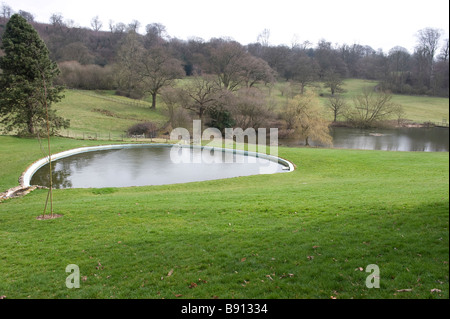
379, 24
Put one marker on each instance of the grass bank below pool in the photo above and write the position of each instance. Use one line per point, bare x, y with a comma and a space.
306, 234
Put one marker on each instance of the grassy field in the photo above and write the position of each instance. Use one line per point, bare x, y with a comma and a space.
307, 234
102, 115
417, 108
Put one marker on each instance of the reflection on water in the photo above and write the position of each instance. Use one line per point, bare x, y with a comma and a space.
139, 167
401, 139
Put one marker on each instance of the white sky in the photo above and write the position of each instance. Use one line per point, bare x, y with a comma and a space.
377, 23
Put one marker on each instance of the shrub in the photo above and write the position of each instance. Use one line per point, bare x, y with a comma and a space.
148, 129
85, 77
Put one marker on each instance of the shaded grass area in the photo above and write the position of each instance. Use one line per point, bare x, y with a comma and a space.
305, 234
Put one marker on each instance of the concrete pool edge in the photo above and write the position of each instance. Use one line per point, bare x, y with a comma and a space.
25, 178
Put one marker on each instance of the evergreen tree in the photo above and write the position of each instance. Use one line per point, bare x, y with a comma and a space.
26, 80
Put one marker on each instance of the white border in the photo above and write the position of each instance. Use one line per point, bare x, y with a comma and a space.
28, 174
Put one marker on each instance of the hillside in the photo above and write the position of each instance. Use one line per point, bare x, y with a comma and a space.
417, 108
103, 113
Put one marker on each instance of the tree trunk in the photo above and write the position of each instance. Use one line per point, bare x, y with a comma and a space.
307, 141
30, 126
153, 101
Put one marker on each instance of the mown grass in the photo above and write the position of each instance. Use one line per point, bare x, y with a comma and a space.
306, 234
417, 108
89, 112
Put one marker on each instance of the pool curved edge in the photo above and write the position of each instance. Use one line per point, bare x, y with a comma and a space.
25, 179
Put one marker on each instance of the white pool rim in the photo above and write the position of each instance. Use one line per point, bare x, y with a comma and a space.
25, 180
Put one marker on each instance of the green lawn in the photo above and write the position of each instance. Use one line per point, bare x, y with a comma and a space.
424, 108
306, 234
103, 113
417, 108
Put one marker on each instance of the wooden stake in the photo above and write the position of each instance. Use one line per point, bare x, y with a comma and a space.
50, 191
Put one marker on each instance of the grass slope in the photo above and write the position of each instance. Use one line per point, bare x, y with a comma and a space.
417, 108
306, 234
103, 113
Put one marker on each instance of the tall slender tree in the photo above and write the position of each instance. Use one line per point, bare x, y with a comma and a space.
26, 81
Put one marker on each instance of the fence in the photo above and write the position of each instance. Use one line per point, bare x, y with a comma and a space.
111, 136
128, 102
436, 124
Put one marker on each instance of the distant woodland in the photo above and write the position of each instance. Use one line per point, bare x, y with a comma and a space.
90, 58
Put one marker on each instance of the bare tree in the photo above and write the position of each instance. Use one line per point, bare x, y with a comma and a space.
333, 80
111, 26
263, 38
26, 15
370, 108
134, 26
399, 66
304, 71
428, 41
158, 69
338, 106
6, 11
257, 70
399, 112
96, 24
56, 20
173, 99
120, 28
202, 94
70, 23
156, 34
444, 51
250, 109
297, 45
127, 67
226, 61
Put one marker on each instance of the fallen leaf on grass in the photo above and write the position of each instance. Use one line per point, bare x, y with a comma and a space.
404, 290
178, 296
435, 290
286, 275
310, 257
170, 273
360, 269
243, 259
268, 276
192, 285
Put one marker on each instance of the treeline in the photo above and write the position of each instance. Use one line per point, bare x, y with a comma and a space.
93, 59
